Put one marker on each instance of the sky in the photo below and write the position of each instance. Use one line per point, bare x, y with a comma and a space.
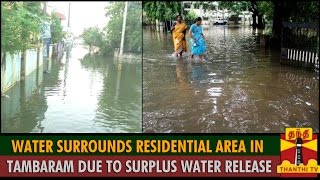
82, 14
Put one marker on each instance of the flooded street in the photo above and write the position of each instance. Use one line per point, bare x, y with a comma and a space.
242, 88
79, 94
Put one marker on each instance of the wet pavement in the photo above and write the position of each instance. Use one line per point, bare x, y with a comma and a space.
79, 94
241, 88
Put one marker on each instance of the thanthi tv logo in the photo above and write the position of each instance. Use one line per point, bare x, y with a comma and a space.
298, 154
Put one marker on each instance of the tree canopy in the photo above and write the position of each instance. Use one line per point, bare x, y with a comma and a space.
56, 28
92, 37
235, 6
20, 25
306, 11
160, 10
191, 15
109, 37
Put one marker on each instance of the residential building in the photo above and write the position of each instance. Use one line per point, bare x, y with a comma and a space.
209, 15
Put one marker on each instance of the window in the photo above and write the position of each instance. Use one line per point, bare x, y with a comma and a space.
187, 5
196, 5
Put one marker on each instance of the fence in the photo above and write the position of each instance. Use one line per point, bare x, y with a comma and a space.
19, 65
300, 44
10, 70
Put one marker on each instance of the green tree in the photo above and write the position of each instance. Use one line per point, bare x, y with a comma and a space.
162, 11
266, 8
56, 29
20, 25
235, 6
92, 37
113, 30
114, 26
286, 10
306, 11
259, 9
133, 37
191, 15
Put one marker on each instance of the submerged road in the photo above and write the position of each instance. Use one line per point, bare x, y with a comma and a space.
79, 94
241, 88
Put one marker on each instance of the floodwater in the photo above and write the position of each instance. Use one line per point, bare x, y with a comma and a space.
78, 94
241, 88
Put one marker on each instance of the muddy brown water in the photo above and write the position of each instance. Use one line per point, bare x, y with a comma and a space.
241, 88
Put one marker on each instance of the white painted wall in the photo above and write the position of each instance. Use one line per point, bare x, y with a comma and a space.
30, 61
10, 71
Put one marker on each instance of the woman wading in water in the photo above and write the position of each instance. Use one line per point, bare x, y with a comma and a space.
179, 36
198, 45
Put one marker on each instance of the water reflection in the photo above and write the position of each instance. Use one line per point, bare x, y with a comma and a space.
241, 88
79, 93
25, 98
182, 75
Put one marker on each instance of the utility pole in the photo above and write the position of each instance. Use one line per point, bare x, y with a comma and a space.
69, 16
123, 27
224, 27
70, 42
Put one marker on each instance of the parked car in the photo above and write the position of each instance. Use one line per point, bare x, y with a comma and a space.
218, 21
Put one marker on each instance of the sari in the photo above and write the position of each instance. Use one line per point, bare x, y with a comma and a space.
179, 39
199, 44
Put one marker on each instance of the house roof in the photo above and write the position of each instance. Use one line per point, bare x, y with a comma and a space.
61, 16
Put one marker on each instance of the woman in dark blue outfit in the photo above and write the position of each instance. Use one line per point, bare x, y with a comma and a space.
198, 45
